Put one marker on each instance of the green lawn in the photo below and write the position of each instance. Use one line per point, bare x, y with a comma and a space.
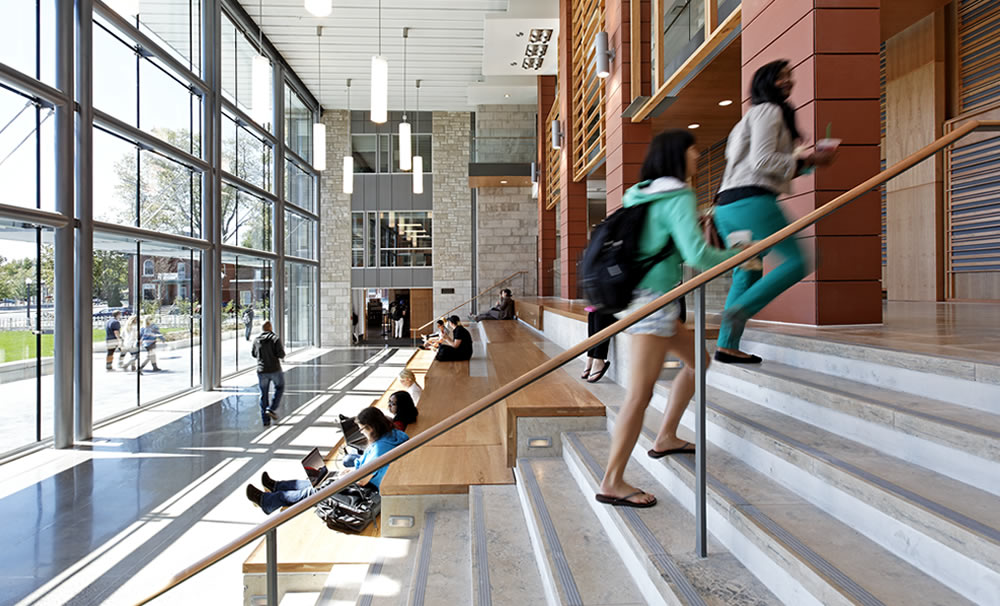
20, 344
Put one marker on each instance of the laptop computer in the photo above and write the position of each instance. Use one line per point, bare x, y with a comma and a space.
315, 467
352, 434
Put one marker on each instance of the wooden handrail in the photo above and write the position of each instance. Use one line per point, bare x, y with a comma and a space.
464, 303
505, 391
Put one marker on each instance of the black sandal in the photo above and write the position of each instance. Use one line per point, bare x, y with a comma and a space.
687, 448
624, 501
600, 375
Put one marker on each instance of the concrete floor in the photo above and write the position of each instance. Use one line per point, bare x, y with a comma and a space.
105, 522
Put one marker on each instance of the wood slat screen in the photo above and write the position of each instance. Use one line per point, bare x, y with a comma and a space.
711, 166
588, 89
978, 53
552, 160
972, 213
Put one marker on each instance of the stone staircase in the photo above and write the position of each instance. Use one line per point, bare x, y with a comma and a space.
838, 474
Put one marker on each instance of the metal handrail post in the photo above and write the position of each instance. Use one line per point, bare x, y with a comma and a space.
700, 369
272, 567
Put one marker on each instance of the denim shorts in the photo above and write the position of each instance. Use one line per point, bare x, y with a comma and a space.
662, 323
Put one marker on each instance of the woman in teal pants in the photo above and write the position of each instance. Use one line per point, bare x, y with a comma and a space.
761, 161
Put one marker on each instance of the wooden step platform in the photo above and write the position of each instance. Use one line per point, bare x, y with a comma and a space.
531, 310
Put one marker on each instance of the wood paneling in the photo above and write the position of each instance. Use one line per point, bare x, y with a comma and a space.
978, 53
915, 105
588, 90
421, 307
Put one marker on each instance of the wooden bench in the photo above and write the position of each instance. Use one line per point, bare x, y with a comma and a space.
305, 544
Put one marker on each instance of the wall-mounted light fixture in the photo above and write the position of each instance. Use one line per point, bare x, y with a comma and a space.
603, 56
534, 172
556, 134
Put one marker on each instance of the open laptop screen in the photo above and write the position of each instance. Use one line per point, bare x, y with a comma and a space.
315, 467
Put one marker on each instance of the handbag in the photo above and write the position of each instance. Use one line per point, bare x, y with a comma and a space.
351, 509
706, 221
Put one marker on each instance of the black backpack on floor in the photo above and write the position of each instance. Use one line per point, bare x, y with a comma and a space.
351, 510
611, 268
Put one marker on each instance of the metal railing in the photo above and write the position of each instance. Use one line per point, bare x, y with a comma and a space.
416, 331
697, 283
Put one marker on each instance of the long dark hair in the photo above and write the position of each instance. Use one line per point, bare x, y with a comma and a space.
763, 90
406, 410
667, 156
376, 420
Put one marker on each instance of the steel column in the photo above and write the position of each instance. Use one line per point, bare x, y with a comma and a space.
272, 567
278, 285
211, 261
84, 351
700, 368
64, 192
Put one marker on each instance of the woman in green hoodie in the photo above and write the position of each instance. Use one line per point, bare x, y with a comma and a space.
672, 214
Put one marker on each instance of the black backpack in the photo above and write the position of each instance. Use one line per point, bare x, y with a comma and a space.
352, 509
611, 268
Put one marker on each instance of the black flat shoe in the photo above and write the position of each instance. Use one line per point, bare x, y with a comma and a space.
267, 482
721, 356
254, 494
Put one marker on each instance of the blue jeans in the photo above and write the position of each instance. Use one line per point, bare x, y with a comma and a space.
285, 493
264, 380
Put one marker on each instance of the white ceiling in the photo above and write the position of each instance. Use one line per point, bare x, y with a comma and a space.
445, 49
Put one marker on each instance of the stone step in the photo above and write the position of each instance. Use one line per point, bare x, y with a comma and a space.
387, 581
658, 544
968, 383
576, 559
946, 528
299, 598
801, 553
342, 585
442, 572
503, 563
953, 440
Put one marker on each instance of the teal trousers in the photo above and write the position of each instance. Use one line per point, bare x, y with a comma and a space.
752, 290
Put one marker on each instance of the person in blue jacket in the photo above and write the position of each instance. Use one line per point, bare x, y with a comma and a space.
382, 438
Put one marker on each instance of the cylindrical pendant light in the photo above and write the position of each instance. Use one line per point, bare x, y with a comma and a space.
380, 79
349, 158
260, 76
319, 129
348, 174
418, 174
405, 138
418, 160
319, 8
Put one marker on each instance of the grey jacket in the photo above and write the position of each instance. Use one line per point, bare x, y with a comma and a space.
760, 151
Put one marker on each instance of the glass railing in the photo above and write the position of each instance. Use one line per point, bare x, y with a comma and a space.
502, 150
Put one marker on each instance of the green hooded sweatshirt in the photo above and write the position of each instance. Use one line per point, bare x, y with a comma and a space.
672, 214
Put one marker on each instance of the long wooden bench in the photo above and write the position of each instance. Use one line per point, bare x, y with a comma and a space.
305, 544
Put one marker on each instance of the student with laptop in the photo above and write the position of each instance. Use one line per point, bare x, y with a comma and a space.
382, 438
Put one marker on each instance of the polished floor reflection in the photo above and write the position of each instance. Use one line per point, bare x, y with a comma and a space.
94, 524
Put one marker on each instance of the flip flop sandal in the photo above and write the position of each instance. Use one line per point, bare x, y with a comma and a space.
595, 378
688, 448
586, 373
624, 501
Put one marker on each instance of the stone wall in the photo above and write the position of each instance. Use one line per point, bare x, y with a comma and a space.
507, 217
507, 228
452, 211
505, 133
335, 236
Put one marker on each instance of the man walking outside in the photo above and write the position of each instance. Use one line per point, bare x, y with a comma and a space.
113, 338
269, 353
248, 320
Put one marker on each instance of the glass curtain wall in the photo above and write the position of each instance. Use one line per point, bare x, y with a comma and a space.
144, 337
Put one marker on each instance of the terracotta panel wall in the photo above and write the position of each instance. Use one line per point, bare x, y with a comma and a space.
915, 110
546, 218
625, 142
833, 47
573, 195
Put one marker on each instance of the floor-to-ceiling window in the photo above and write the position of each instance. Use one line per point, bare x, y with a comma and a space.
151, 179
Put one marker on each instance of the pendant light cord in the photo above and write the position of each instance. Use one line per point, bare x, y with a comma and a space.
260, 26
319, 62
379, 28
405, 36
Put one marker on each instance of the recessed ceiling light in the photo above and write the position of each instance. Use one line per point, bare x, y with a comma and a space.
694, 126
506, 95
725, 102
503, 182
